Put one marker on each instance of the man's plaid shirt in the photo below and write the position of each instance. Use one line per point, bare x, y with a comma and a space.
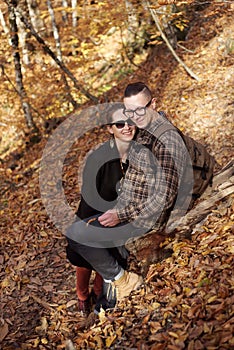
151, 182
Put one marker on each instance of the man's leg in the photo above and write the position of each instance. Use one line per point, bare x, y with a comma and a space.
90, 239
107, 266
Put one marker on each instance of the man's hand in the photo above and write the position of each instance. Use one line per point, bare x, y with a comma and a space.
109, 218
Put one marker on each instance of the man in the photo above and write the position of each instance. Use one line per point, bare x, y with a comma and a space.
149, 192
149, 205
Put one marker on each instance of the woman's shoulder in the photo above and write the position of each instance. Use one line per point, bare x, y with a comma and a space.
102, 151
99, 148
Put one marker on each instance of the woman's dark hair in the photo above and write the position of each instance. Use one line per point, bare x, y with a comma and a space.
112, 109
135, 88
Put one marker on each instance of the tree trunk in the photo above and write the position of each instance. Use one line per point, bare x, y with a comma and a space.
52, 54
18, 72
133, 22
3, 23
55, 30
133, 39
64, 12
23, 34
35, 17
74, 13
59, 52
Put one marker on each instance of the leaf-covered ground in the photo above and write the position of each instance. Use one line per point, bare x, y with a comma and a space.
187, 301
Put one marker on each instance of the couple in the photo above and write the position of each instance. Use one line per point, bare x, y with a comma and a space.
130, 185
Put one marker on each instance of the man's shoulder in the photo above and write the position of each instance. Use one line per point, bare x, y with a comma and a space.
160, 133
163, 129
149, 134
159, 122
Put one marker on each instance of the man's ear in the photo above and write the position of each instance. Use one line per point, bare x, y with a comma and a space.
153, 103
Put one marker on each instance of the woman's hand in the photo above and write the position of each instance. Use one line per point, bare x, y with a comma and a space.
109, 218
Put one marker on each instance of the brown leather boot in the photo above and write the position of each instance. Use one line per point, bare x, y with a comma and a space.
84, 307
125, 284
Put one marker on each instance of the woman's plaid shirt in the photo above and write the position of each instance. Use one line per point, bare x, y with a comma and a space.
151, 182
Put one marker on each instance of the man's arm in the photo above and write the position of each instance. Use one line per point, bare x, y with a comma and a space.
147, 205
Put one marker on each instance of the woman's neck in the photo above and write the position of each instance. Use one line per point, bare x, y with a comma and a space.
123, 148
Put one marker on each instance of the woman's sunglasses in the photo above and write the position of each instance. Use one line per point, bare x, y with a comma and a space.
120, 124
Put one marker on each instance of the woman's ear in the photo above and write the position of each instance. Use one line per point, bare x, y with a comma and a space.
109, 128
153, 103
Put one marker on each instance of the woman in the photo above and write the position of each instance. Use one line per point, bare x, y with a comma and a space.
103, 172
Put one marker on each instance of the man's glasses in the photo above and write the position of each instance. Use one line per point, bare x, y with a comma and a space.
120, 124
140, 111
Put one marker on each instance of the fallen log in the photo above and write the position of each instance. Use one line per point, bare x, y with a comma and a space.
148, 249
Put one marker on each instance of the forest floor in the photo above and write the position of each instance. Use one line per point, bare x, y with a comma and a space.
187, 301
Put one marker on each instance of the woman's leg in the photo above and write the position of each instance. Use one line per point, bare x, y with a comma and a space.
82, 282
98, 285
91, 240
74, 258
100, 259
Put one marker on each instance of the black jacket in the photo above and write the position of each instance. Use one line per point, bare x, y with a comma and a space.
101, 176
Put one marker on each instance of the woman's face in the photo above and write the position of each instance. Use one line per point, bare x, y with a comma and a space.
122, 128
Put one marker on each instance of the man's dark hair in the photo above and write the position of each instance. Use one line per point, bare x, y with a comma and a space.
135, 88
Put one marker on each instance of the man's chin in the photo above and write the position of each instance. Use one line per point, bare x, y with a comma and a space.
141, 125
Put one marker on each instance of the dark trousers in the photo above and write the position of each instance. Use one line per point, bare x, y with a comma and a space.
119, 253
94, 244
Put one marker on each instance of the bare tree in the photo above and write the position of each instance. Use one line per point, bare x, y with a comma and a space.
64, 11
3, 23
74, 13
35, 17
52, 54
164, 37
58, 50
18, 72
55, 30
23, 33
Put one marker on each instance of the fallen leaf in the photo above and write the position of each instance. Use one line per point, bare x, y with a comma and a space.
3, 330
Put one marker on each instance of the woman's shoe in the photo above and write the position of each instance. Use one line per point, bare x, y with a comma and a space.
84, 307
93, 297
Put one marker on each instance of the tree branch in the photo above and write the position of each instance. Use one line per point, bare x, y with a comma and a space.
157, 22
18, 93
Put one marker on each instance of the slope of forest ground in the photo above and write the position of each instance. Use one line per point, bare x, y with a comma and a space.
187, 301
